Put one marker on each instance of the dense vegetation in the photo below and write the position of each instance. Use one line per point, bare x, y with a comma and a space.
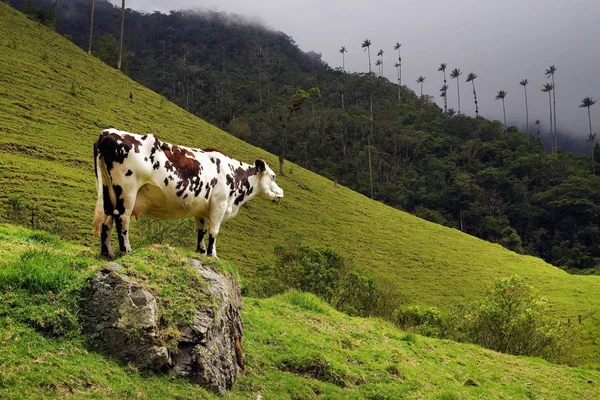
55, 99
296, 345
448, 168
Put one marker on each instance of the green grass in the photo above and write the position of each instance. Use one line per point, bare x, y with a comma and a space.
297, 347
46, 137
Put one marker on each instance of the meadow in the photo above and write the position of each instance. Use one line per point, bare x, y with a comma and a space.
55, 100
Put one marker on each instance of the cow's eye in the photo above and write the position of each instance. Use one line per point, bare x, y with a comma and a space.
273, 178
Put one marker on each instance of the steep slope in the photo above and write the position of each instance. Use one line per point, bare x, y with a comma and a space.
55, 99
297, 347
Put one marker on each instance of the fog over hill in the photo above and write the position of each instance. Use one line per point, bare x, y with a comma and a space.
502, 42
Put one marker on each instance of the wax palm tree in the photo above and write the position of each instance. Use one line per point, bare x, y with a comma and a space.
550, 73
343, 51
122, 29
587, 103
537, 122
524, 83
501, 95
399, 66
367, 46
547, 88
455, 74
442, 68
420, 80
380, 54
378, 63
91, 28
471, 78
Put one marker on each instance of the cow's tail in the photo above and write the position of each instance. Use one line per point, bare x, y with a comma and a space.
102, 180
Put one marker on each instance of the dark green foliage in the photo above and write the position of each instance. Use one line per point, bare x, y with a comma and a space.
327, 274
45, 16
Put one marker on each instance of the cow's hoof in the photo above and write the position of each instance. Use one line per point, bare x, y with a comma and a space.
108, 256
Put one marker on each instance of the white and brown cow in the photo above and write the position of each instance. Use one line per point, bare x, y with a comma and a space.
140, 175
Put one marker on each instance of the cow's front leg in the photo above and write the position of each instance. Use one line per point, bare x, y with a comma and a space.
106, 248
214, 225
201, 228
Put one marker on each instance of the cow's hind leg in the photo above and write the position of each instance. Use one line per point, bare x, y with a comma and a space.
106, 248
122, 216
200, 224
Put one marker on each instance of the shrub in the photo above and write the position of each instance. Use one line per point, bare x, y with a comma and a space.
512, 319
328, 274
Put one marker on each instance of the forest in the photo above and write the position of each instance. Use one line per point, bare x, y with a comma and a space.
358, 129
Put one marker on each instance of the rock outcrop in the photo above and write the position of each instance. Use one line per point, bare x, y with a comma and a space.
121, 317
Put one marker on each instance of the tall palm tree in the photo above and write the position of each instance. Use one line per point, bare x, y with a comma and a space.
420, 80
91, 28
342, 51
524, 83
471, 78
455, 74
537, 122
399, 66
587, 103
547, 88
501, 95
380, 54
378, 64
550, 73
442, 68
367, 46
122, 28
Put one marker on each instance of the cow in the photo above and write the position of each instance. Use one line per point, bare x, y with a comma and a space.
140, 175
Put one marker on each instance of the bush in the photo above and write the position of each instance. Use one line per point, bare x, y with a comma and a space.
512, 319
326, 273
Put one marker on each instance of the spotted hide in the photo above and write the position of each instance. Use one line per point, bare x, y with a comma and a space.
140, 175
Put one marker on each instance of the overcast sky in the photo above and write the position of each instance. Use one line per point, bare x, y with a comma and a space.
502, 41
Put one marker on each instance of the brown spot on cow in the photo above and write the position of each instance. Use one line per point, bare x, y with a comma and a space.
185, 166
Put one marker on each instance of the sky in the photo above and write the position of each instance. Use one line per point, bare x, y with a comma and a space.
502, 41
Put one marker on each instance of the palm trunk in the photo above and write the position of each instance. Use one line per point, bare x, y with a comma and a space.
554, 101
593, 142
369, 52
526, 112
122, 29
370, 143
504, 110
91, 29
343, 63
421, 90
475, 98
445, 95
458, 91
398, 70
551, 133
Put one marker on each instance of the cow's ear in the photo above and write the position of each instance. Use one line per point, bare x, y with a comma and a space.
260, 165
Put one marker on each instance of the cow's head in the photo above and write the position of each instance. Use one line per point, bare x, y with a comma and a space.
267, 188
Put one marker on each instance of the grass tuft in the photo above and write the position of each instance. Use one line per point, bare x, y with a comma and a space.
40, 271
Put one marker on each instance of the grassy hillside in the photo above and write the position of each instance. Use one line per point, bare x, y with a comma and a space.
297, 347
55, 99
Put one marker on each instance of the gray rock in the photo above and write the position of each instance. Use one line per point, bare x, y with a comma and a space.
122, 318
